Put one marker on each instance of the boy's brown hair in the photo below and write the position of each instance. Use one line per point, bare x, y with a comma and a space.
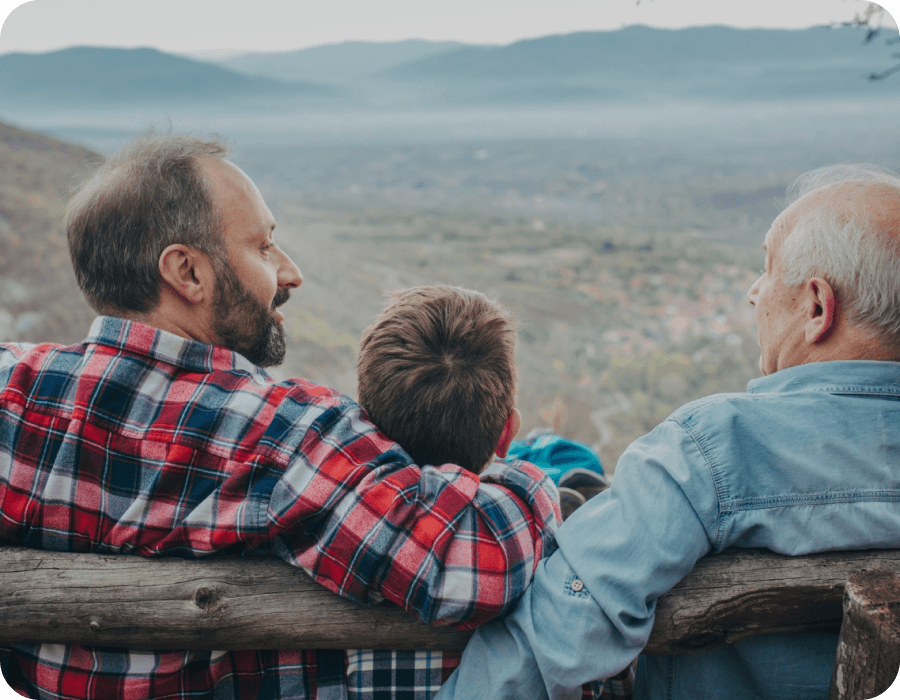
437, 374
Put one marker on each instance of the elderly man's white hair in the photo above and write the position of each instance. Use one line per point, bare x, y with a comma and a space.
851, 238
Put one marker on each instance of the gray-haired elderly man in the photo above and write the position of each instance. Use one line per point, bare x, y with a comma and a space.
807, 460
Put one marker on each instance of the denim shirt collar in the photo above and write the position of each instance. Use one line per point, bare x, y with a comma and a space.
837, 377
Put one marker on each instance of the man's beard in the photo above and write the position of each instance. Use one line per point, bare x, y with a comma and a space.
244, 324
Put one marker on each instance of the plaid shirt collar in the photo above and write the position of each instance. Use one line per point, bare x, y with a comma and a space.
162, 346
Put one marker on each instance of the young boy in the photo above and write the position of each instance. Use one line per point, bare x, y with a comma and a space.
437, 374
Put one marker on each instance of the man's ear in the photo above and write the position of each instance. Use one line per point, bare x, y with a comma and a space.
187, 272
510, 430
821, 304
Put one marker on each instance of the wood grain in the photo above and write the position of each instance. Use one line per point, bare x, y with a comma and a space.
263, 603
868, 654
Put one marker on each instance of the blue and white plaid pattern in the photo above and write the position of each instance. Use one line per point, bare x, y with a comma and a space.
397, 675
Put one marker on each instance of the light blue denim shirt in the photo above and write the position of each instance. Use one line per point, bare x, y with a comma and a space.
807, 460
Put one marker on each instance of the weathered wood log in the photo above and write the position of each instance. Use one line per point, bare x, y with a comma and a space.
213, 603
263, 603
744, 593
868, 655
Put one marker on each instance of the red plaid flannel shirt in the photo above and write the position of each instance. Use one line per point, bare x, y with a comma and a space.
141, 442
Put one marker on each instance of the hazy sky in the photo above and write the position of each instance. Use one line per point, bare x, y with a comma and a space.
221, 26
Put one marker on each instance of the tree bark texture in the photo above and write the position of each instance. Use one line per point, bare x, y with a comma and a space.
263, 603
744, 593
868, 655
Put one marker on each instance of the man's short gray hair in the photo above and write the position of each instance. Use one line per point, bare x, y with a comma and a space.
150, 194
856, 248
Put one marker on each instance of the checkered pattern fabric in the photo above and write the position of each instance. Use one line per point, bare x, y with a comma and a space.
618, 687
417, 675
141, 442
397, 675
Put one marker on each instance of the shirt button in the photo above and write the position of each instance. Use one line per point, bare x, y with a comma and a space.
577, 585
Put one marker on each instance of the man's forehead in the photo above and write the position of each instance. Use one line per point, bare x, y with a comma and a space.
788, 219
223, 174
780, 227
232, 190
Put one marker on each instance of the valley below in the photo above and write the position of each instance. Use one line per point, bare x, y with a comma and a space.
623, 239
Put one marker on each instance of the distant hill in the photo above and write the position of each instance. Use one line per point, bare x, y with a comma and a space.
700, 62
647, 52
99, 76
342, 62
39, 299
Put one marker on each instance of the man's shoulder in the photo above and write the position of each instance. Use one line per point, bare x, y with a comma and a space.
19, 350
733, 417
241, 390
712, 407
280, 390
13, 352
34, 355
796, 388
291, 414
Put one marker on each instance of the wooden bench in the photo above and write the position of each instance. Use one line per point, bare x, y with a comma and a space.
263, 603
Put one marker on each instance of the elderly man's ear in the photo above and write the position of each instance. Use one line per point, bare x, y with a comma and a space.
510, 430
188, 273
820, 305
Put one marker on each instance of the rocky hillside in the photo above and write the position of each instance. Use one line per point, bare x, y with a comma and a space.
39, 299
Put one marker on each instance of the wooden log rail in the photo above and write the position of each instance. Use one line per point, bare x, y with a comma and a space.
868, 653
263, 603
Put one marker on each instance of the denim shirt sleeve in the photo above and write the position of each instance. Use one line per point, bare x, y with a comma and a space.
591, 606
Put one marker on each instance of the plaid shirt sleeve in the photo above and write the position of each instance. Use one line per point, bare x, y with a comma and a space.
434, 540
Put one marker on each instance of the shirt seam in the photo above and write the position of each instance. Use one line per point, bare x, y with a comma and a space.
848, 390
721, 490
822, 498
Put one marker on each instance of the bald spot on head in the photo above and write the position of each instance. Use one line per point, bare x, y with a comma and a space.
878, 202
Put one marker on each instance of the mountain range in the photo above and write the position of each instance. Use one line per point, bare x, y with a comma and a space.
713, 63
338, 63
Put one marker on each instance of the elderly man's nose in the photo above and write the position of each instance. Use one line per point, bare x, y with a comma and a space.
752, 292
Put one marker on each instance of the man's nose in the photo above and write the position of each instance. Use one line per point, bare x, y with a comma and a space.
752, 292
289, 274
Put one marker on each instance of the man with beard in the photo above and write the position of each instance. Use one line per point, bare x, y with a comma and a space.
160, 434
